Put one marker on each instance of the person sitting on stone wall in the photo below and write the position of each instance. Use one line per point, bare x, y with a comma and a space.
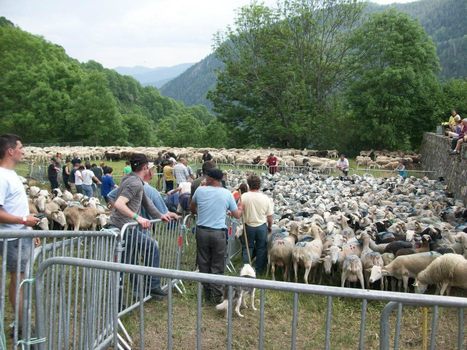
462, 138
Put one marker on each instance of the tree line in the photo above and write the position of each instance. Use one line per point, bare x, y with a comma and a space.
319, 74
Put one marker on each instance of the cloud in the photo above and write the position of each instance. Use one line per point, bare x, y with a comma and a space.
126, 32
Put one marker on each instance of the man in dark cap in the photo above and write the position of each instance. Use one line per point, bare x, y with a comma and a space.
211, 202
127, 208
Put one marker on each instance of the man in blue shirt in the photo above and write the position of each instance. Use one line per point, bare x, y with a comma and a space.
212, 202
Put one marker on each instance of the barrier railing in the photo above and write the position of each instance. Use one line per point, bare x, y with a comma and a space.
158, 246
86, 244
298, 290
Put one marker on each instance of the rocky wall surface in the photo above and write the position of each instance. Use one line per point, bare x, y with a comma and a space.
453, 168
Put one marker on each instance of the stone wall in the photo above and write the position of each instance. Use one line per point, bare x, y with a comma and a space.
453, 168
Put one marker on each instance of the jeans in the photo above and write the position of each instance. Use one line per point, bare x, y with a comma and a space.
257, 240
87, 190
141, 249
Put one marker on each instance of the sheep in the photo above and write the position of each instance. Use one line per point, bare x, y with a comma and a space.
280, 251
54, 214
308, 253
83, 218
449, 270
403, 267
369, 258
352, 270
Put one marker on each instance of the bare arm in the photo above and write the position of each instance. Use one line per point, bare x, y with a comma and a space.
193, 207
6, 218
269, 221
121, 205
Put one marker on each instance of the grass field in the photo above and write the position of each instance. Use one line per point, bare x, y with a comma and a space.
278, 315
345, 327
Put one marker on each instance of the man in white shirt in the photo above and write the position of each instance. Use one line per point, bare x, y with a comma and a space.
257, 216
14, 215
181, 171
343, 165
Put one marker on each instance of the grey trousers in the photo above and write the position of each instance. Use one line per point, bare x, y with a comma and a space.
210, 249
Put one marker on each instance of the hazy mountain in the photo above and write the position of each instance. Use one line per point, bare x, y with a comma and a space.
443, 20
192, 85
153, 76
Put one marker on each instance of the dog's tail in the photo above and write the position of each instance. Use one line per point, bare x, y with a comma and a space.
223, 305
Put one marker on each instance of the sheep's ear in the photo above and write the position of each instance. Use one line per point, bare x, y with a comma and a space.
415, 284
384, 272
320, 260
368, 270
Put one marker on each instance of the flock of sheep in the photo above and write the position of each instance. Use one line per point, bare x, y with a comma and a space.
287, 157
65, 210
367, 230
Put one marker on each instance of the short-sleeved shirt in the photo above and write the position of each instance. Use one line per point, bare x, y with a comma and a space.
185, 187
131, 188
127, 170
181, 173
343, 164
87, 175
168, 173
212, 204
97, 172
107, 184
13, 199
78, 180
153, 195
256, 207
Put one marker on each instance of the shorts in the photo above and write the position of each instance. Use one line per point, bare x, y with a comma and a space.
13, 254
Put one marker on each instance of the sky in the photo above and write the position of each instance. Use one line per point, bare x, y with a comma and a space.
151, 33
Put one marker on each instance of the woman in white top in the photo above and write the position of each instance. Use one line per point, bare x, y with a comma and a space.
79, 179
88, 177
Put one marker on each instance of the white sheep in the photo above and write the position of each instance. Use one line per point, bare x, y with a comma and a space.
404, 267
280, 251
352, 270
308, 253
449, 270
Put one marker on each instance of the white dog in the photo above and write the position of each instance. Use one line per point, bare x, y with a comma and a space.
239, 293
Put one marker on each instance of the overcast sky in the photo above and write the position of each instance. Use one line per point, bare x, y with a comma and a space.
150, 33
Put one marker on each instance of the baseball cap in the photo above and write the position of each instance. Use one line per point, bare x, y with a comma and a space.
137, 159
150, 165
216, 174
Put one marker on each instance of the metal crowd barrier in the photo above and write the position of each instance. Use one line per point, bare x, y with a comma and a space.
161, 244
394, 299
87, 245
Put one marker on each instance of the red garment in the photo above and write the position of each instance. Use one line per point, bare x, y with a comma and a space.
272, 163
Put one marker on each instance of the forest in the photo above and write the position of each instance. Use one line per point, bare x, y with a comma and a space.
313, 74
49, 98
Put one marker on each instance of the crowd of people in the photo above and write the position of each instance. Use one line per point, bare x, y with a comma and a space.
456, 129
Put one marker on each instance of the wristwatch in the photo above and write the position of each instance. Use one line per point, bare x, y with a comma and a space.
25, 220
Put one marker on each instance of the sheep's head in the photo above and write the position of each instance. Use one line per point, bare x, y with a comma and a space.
43, 224
376, 274
420, 287
40, 203
59, 217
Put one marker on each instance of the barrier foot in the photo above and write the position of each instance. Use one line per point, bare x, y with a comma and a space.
128, 339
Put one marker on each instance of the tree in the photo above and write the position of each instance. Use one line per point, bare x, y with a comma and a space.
395, 94
94, 117
281, 68
454, 97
